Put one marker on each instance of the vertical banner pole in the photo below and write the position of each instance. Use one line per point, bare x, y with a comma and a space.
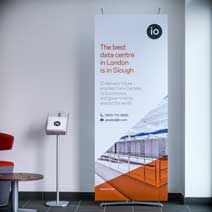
57, 168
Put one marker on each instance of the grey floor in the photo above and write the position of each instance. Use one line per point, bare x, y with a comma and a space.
89, 206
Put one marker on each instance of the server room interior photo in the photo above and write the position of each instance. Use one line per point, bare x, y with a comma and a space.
105, 105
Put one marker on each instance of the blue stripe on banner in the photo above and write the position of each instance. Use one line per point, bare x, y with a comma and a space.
162, 131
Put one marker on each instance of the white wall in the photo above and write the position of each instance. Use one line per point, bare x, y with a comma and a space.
47, 64
198, 148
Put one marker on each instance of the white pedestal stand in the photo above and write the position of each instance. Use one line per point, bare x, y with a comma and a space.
57, 125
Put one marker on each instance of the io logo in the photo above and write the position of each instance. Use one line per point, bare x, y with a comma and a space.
154, 31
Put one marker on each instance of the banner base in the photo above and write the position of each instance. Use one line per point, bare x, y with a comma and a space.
151, 204
57, 204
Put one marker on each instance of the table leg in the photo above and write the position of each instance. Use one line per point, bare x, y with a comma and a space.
14, 188
15, 208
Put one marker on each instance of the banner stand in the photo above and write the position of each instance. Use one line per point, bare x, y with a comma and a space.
131, 110
151, 204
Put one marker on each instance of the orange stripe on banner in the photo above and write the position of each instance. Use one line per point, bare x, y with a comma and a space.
108, 192
147, 183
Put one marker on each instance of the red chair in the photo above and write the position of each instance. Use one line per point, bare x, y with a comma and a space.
6, 143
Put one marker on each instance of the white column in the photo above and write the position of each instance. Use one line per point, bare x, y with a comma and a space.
198, 99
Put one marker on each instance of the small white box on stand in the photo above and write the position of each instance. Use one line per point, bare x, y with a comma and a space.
57, 125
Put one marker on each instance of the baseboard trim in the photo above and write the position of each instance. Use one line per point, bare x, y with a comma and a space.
47, 196
89, 196
198, 200
176, 197
173, 197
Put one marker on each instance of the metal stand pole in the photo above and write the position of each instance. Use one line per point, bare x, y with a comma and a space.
57, 169
57, 203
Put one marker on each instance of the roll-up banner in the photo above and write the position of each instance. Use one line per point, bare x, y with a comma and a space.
131, 108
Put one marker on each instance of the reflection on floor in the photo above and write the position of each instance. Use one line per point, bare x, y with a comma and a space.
90, 206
